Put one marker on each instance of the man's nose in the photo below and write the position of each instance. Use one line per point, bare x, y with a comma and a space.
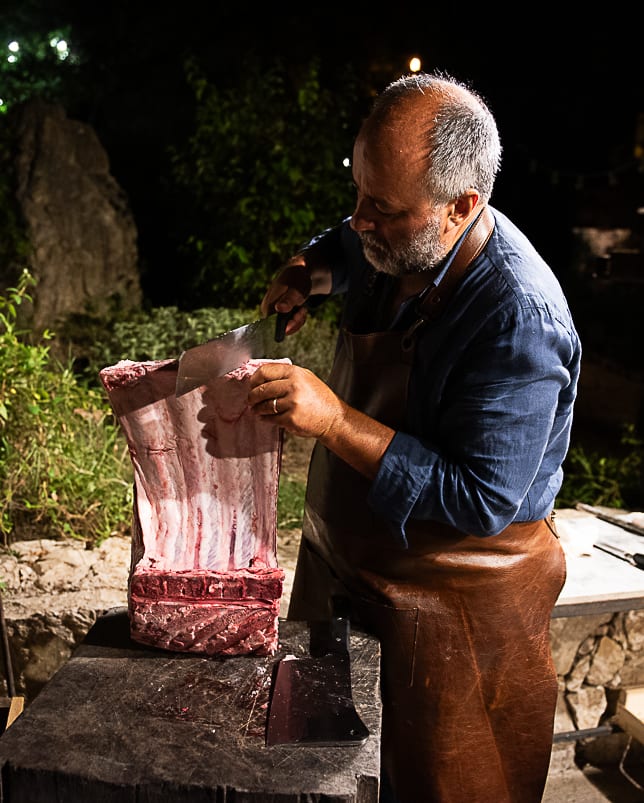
362, 218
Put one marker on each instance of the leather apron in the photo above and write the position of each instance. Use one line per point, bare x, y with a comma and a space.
468, 683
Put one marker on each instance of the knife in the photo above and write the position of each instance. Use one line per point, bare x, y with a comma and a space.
611, 519
224, 353
634, 558
311, 701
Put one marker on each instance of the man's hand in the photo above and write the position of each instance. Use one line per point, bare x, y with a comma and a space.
303, 275
289, 290
296, 399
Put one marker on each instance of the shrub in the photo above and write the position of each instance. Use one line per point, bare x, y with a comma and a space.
64, 467
164, 332
609, 481
251, 193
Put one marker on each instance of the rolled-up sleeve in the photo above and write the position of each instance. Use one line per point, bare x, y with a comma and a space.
498, 435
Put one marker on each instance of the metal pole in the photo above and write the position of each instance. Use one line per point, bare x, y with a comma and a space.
8, 669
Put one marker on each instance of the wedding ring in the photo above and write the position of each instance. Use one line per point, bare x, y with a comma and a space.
274, 406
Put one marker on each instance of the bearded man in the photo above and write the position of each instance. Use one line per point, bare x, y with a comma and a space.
440, 437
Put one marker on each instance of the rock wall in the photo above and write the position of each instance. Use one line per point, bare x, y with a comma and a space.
54, 591
594, 656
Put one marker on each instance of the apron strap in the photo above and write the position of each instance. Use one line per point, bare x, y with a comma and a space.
432, 303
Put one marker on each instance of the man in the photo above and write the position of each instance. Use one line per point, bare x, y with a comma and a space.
440, 438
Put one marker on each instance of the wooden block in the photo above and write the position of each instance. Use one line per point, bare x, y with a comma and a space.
122, 722
629, 713
10, 709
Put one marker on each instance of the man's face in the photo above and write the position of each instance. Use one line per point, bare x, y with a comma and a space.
400, 230
420, 252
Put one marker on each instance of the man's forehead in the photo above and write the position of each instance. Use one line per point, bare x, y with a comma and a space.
404, 141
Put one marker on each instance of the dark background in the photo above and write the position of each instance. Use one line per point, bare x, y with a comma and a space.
566, 92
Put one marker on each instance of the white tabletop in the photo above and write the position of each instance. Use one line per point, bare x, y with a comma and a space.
597, 582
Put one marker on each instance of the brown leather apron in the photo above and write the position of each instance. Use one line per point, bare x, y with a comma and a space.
468, 683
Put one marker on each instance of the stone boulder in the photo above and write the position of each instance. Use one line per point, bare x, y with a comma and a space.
53, 592
81, 232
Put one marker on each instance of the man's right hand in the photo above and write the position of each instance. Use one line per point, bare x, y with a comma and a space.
289, 290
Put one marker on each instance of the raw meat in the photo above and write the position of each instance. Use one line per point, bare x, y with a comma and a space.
204, 574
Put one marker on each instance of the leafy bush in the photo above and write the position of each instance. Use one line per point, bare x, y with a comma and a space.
64, 466
290, 504
251, 193
159, 334
609, 481
164, 332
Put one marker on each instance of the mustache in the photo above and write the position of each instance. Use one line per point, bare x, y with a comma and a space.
370, 239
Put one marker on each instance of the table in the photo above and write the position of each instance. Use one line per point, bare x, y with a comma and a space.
597, 582
122, 722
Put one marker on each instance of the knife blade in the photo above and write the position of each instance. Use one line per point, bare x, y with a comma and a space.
311, 702
611, 519
224, 353
634, 558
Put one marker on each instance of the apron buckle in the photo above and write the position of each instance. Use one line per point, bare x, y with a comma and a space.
409, 338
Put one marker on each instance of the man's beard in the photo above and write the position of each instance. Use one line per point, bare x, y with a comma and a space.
419, 254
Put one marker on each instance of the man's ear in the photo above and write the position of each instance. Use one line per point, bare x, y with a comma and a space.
463, 207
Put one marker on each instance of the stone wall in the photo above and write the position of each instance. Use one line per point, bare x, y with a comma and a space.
595, 656
54, 591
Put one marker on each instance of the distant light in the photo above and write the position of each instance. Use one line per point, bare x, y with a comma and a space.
414, 64
60, 46
346, 162
14, 47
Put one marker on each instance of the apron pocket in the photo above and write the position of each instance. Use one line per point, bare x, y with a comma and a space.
396, 629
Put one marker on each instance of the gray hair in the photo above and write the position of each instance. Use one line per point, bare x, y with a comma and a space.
463, 144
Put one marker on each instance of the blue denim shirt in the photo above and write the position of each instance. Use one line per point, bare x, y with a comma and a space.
491, 391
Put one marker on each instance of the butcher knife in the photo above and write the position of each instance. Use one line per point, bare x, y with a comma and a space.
311, 702
634, 558
619, 521
200, 364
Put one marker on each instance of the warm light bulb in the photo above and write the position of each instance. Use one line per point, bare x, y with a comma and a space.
414, 64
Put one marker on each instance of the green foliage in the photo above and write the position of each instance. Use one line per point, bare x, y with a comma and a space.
290, 503
263, 170
610, 481
64, 467
35, 67
158, 334
164, 332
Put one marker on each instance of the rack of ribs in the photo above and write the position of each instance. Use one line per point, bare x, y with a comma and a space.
204, 575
